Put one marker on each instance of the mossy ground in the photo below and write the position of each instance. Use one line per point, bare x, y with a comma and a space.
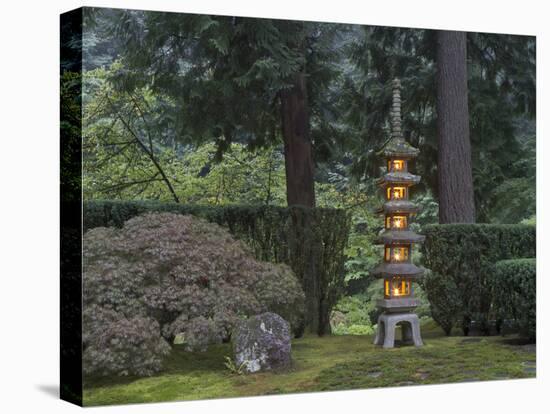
327, 363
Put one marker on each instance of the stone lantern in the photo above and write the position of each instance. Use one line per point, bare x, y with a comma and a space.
397, 270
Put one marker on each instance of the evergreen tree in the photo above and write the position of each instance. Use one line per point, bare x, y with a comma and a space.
321, 91
234, 79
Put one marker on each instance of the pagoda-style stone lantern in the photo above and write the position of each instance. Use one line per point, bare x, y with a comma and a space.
397, 269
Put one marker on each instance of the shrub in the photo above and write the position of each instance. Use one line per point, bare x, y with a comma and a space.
514, 285
343, 329
172, 274
310, 241
460, 257
442, 294
351, 316
354, 309
115, 344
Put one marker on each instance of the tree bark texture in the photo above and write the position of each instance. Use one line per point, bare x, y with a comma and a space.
456, 190
299, 165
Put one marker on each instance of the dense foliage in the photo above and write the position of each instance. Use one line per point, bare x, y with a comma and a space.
227, 92
351, 316
228, 72
310, 241
514, 283
460, 258
187, 108
131, 152
165, 274
501, 91
71, 135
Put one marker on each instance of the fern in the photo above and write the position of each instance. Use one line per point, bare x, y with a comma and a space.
234, 368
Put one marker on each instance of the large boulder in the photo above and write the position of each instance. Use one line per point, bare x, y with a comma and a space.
262, 342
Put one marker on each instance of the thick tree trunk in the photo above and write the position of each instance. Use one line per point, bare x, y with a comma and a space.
297, 144
456, 190
300, 189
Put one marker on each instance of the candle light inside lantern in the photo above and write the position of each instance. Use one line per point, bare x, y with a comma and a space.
398, 222
397, 192
400, 254
397, 165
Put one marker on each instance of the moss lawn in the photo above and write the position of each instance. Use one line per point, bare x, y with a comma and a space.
322, 364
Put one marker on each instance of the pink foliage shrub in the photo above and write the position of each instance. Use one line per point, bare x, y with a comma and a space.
164, 274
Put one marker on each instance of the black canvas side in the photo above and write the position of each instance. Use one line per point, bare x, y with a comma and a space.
71, 206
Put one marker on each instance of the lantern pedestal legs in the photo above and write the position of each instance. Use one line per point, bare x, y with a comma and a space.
388, 322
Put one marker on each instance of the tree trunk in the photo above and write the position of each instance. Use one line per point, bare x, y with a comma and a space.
297, 144
456, 190
300, 189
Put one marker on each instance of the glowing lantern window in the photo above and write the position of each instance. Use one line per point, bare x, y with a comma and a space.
396, 222
397, 286
396, 254
396, 193
400, 254
398, 165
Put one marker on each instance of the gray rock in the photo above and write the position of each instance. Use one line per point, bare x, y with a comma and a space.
262, 342
337, 318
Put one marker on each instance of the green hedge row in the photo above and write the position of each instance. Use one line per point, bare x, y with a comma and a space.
460, 259
310, 241
514, 283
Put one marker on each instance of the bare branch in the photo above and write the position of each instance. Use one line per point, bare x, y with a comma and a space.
149, 153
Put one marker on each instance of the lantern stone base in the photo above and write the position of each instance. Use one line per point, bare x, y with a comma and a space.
405, 305
410, 329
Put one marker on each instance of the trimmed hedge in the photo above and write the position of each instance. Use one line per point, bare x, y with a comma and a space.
514, 283
461, 258
310, 241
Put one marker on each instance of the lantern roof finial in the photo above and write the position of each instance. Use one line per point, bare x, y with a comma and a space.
397, 146
395, 112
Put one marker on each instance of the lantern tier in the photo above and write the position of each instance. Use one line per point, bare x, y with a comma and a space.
398, 206
397, 147
399, 237
390, 269
405, 178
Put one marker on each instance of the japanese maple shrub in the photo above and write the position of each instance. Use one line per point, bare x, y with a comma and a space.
165, 274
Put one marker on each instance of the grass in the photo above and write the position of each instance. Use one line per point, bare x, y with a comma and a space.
327, 363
